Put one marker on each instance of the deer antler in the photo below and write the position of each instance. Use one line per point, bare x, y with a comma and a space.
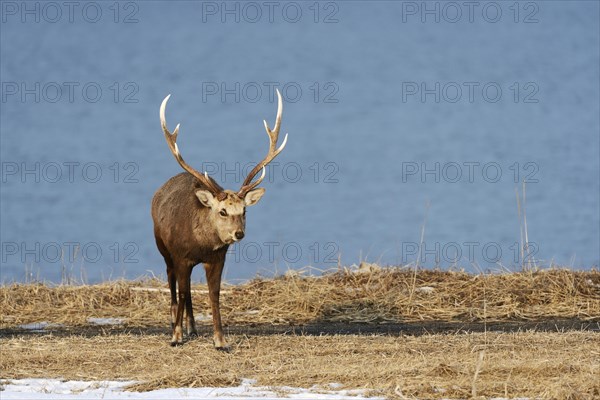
273, 151
211, 185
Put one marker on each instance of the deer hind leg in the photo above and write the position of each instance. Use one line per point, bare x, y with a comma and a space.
183, 282
190, 321
171, 277
173, 288
213, 277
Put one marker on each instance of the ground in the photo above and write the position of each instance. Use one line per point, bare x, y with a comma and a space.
390, 333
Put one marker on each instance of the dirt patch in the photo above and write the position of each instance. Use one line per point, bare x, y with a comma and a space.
317, 329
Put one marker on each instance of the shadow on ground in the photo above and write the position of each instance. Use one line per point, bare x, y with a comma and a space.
325, 328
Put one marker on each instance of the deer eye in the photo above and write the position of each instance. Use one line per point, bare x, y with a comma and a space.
223, 213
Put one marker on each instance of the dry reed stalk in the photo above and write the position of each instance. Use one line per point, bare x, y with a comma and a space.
379, 296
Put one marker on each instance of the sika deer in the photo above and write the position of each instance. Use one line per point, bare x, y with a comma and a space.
195, 221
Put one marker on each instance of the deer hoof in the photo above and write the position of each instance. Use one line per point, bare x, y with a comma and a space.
224, 349
174, 344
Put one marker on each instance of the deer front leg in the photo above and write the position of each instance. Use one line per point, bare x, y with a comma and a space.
213, 278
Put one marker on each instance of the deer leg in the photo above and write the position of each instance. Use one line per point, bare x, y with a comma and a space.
173, 287
189, 311
171, 276
183, 279
213, 277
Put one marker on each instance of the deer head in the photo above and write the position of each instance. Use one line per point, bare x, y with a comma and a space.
227, 209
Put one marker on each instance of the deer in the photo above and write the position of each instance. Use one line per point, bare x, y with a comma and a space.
195, 221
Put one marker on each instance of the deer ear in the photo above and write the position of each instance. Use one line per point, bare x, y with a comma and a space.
206, 198
253, 196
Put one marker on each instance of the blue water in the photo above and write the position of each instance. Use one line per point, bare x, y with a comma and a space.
396, 122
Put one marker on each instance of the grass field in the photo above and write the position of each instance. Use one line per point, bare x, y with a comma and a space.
453, 362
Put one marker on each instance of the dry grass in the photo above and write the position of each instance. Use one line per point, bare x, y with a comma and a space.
561, 365
526, 364
386, 295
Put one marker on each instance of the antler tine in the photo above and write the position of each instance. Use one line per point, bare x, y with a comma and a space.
172, 142
273, 150
246, 188
274, 134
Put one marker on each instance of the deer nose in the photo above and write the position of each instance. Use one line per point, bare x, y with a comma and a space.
239, 235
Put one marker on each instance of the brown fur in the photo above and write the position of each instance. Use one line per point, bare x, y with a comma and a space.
195, 221
185, 237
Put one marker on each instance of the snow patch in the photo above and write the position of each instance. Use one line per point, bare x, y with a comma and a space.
425, 289
203, 317
106, 321
54, 389
39, 326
